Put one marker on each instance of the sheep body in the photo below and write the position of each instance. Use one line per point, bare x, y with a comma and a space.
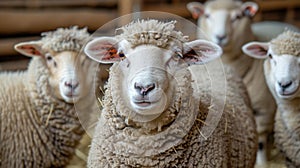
36, 134
287, 117
37, 128
237, 30
174, 139
281, 70
231, 144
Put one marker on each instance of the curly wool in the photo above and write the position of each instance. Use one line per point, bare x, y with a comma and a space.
287, 133
119, 143
37, 130
152, 32
286, 43
65, 39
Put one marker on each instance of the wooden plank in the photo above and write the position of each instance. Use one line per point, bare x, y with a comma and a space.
60, 3
7, 44
14, 21
177, 9
275, 5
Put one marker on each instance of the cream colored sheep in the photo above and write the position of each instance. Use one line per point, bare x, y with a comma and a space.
155, 108
228, 23
39, 125
282, 72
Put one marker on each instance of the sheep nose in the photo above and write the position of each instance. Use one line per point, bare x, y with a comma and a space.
285, 85
72, 84
221, 37
144, 90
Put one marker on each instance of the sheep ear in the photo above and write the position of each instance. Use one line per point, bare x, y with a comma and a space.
201, 51
104, 50
249, 9
196, 9
256, 49
30, 49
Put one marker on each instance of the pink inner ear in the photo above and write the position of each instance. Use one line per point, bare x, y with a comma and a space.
250, 10
111, 54
30, 50
103, 46
197, 13
257, 50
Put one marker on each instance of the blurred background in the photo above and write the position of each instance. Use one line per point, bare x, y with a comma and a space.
23, 20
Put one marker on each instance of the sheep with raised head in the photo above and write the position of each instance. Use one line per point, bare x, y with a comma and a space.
282, 73
228, 23
155, 107
39, 125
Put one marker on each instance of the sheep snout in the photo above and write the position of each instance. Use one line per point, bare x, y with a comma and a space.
286, 88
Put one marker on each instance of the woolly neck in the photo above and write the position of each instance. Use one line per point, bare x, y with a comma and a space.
55, 121
130, 138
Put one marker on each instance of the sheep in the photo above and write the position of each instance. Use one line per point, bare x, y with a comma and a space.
156, 109
282, 73
228, 23
39, 125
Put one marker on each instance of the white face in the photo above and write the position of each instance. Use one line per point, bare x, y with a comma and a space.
147, 79
219, 26
222, 24
67, 77
147, 71
283, 76
285, 70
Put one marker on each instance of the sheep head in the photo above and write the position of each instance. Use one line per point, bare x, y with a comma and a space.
283, 54
223, 21
60, 52
148, 69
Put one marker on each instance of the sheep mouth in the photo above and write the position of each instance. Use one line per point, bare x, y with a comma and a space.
289, 94
143, 103
71, 95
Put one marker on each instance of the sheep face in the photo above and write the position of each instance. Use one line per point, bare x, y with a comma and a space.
148, 71
66, 70
284, 72
222, 20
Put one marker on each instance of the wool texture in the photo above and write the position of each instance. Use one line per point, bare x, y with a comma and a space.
36, 129
287, 42
174, 139
65, 39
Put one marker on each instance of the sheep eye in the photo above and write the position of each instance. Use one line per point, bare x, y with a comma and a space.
206, 15
48, 57
122, 55
270, 56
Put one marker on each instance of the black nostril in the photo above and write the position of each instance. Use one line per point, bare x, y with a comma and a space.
285, 85
71, 85
144, 90
220, 38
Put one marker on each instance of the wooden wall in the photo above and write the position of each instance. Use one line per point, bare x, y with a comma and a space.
23, 20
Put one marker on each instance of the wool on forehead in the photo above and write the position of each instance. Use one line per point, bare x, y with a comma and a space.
152, 32
286, 43
65, 39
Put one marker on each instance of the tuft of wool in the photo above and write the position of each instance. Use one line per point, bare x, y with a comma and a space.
152, 32
286, 43
65, 39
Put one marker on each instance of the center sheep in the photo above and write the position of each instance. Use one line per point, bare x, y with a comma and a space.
155, 107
